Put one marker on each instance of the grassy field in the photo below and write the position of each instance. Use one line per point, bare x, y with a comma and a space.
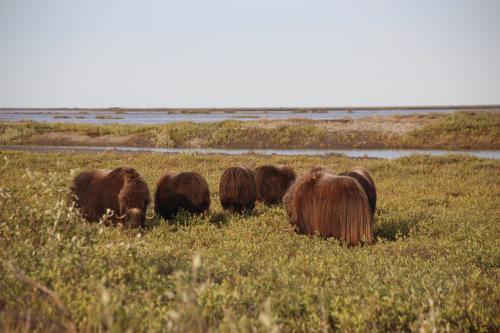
434, 267
460, 130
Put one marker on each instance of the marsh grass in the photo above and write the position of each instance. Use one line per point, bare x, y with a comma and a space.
461, 130
435, 265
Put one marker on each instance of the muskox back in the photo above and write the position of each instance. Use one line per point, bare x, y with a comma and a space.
237, 189
331, 206
273, 182
366, 182
121, 190
186, 190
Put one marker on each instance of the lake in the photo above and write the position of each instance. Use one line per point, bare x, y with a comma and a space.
162, 117
356, 153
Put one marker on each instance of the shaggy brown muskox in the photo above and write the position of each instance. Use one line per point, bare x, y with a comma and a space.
238, 190
272, 182
186, 190
331, 206
121, 190
366, 182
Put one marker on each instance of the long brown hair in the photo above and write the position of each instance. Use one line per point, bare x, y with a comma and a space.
331, 206
119, 190
237, 189
365, 180
272, 182
186, 190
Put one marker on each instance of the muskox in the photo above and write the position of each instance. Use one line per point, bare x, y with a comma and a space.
237, 189
331, 206
273, 182
186, 190
366, 182
122, 190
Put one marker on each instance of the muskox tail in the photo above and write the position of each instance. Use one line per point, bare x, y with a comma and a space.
334, 206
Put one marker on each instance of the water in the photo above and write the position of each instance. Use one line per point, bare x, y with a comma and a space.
356, 153
162, 117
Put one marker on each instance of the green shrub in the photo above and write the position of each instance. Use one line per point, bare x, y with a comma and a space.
435, 265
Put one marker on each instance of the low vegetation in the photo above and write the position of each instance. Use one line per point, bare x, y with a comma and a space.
107, 117
460, 130
435, 265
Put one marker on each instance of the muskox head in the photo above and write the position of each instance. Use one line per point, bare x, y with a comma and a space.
133, 218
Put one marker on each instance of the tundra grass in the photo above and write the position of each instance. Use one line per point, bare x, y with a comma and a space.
435, 265
460, 130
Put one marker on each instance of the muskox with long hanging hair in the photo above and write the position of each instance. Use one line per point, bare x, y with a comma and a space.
237, 189
331, 206
366, 182
186, 190
122, 190
273, 182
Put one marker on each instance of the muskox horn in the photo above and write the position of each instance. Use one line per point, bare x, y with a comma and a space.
121, 217
151, 217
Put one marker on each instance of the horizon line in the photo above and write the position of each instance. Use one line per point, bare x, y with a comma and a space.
267, 108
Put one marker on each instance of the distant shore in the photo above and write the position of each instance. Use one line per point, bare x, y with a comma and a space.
262, 109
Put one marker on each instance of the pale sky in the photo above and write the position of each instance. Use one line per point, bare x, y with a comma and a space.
186, 53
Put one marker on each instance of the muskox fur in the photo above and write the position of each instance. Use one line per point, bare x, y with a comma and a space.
186, 190
238, 190
273, 182
122, 190
331, 206
366, 182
